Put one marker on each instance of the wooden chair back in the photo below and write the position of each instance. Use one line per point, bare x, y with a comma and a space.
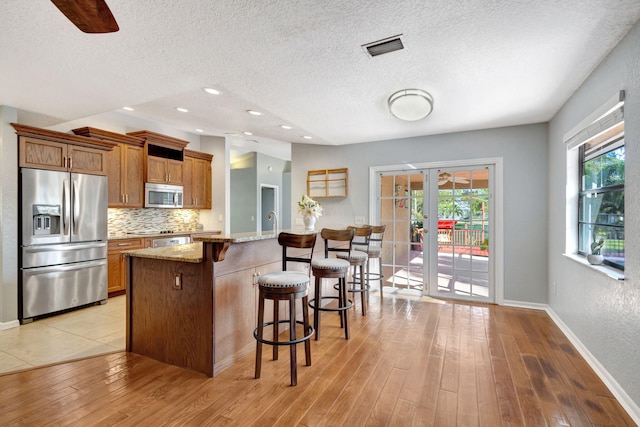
299, 241
339, 236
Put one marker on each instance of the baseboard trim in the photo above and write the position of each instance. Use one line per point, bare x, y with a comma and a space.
9, 325
627, 403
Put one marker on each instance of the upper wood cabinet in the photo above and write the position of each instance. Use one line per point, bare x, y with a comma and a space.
46, 149
328, 183
163, 157
125, 167
197, 180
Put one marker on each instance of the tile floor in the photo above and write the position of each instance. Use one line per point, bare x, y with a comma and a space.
81, 333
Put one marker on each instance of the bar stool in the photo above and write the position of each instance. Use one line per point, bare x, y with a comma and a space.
286, 286
358, 259
374, 251
332, 268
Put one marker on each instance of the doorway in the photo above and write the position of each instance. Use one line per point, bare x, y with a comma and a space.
440, 230
268, 203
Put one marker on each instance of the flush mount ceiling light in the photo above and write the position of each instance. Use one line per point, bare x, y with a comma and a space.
211, 91
182, 109
410, 104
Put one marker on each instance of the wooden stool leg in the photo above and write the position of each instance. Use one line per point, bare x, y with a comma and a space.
316, 312
305, 321
363, 286
341, 301
260, 332
276, 326
292, 337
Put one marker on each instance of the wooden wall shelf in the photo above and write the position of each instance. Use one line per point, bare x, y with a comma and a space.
323, 183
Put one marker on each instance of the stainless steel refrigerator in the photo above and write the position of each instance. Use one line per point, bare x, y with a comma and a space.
63, 241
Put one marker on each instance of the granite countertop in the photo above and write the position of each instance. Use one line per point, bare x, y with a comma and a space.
191, 252
174, 234
247, 237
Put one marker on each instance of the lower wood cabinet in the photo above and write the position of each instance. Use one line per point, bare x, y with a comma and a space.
116, 263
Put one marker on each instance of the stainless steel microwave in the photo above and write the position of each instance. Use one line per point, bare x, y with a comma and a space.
162, 195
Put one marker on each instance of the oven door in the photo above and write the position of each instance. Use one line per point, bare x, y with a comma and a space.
163, 196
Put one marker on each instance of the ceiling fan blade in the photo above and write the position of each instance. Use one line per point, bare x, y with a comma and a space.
90, 16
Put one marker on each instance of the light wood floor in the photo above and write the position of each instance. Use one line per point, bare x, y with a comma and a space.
410, 361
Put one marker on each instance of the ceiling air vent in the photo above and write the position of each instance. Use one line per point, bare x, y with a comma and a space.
380, 47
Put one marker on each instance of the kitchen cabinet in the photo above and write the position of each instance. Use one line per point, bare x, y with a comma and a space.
164, 171
197, 180
51, 150
125, 165
116, 263
328, 183
163, 157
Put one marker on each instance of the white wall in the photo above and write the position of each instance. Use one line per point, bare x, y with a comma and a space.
602, 312
8, 218
524, 153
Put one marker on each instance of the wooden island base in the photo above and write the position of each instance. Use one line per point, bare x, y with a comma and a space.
195, 305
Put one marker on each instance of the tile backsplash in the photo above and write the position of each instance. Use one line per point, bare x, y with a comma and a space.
122, 221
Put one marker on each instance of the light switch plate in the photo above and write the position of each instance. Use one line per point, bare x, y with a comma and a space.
359, 220
299, 221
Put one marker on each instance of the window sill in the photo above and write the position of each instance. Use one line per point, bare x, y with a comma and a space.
611, 272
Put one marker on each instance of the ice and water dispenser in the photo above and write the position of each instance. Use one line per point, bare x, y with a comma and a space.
46, 220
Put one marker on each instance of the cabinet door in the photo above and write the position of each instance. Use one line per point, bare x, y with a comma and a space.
36, 153
156, 169
235, 314
199, 167
114, 175
207, 186
116, 260
188, 200
132, 177
174, 172
87, 160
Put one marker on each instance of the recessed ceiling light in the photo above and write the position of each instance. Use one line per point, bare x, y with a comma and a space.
307, 137
182, 110
254, 112
247, 133
211, 91
286, 127
127, 108
254, 141
231, 133
199, 130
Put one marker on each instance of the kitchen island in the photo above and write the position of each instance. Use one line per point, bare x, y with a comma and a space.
195, 305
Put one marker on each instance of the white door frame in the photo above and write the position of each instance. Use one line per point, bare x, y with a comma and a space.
498, 247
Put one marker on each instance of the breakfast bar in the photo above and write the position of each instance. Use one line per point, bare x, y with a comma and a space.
194, 305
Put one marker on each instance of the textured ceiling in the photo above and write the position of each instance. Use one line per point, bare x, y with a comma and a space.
486, 63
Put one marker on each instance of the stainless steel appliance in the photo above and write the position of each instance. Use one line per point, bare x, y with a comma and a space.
162, 195
63, 241
170, 241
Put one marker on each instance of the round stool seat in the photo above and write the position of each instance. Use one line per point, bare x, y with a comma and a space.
283, 279
330, 264
356, 257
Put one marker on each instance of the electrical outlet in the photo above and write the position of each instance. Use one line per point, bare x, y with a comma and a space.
220, 218
359, 220
253, 218
177, 281
299, 221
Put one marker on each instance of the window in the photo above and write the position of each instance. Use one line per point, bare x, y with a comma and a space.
601, 148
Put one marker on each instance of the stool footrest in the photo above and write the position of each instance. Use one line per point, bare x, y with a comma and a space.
310, 333
346, 307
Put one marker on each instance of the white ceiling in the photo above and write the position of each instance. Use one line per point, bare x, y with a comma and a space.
486, 63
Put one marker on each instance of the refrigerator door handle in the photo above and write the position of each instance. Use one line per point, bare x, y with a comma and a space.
76, 208
61, 268
65, 207
59, 248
